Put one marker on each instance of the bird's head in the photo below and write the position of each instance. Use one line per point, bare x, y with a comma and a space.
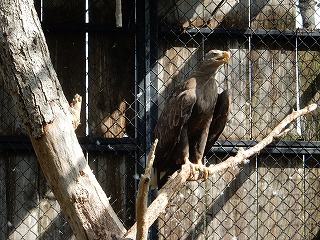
217, 57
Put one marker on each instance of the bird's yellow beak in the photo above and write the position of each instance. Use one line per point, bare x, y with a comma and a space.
225, 56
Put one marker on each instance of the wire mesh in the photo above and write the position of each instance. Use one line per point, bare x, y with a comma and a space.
125, 65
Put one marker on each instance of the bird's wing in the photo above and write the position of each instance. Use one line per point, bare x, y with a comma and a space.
219, 119
176, 112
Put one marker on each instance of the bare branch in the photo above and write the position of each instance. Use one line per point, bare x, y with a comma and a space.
142, 197
242, 155
183, 175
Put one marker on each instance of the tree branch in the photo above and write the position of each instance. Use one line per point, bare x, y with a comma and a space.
180, 177
142, 197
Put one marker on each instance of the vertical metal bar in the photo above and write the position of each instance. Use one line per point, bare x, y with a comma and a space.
87, 68
146, 75
140, 45
297, 86
152, 110
250, 116
41, 11
152, 71
146, 82
250, 68
305, 233
87, 75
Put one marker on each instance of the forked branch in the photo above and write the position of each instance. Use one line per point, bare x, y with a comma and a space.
180, 177
142, 197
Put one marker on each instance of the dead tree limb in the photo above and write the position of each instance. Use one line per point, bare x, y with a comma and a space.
242, 154
142, 197
180, 177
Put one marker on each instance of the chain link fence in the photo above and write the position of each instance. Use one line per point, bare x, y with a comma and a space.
124, 58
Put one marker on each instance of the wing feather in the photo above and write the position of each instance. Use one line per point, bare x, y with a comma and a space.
175, 114
219, 120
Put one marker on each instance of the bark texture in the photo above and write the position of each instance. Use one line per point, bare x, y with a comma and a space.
142, 197
27, 71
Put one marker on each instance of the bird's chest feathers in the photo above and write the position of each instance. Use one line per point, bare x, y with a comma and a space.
206, 98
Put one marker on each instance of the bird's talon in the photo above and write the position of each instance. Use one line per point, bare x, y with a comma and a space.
193, 170
205, 173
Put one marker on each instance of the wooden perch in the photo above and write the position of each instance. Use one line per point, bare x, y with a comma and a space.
142, 197
180, 177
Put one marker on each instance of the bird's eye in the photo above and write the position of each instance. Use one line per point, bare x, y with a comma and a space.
215, 53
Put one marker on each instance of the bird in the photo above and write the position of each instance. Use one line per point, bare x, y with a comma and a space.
192, 119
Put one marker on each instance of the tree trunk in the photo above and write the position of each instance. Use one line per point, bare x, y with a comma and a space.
27, 71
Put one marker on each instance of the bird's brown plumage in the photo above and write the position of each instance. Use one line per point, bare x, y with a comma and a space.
190, 118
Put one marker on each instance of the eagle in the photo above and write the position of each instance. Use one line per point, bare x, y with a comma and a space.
193, 117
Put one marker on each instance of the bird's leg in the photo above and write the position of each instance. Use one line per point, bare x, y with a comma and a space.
202, 168
192, 167
195, 168
197, 147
